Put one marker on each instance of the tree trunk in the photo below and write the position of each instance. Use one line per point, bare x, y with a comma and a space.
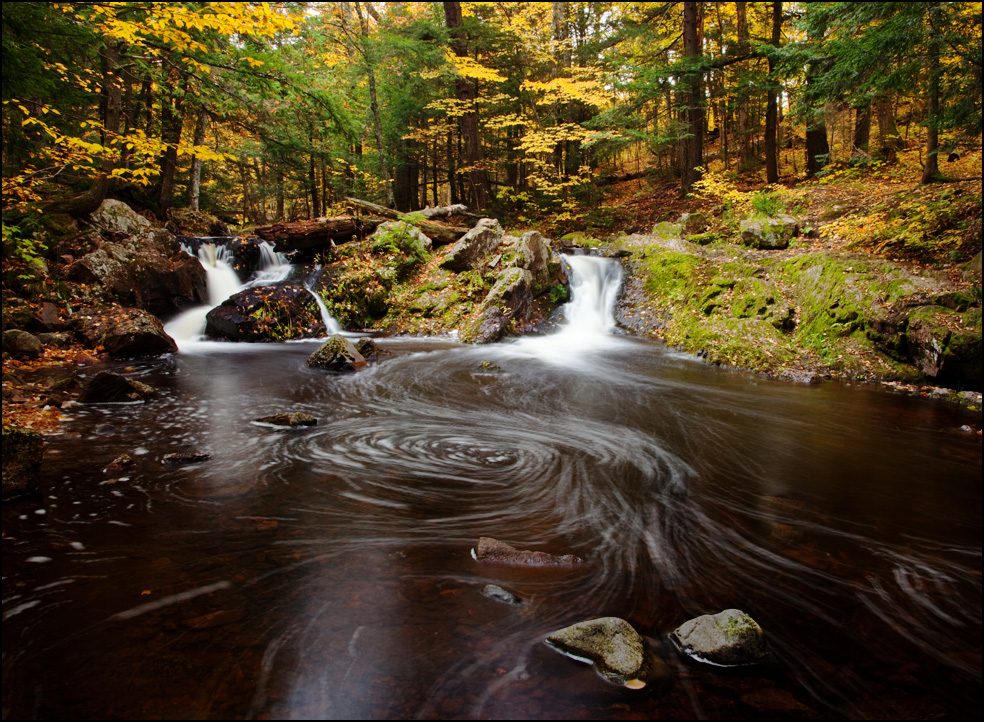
377, 124
195, 182
466, 92
313, 183
862, 128
692, 144
888, 132
743, 133
817, 147
931, 170
172, 123
771, 110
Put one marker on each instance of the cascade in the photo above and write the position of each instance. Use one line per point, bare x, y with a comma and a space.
595, 284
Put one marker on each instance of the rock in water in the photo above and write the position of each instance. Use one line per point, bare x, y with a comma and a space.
611, 644
337, 354
497, 552
729, 638
22, 453
498, 594
107, 387
291, 420
183, 459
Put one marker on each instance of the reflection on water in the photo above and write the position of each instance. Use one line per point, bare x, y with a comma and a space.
326, 572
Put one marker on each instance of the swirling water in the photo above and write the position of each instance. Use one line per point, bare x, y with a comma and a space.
327, 572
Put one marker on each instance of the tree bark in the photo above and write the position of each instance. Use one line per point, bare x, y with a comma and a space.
377, 124
692, 144
172, 123
888, 132
771, 109
466, 92
195, 183
931, 170
862, 128
437, 232
743, 133
817, 147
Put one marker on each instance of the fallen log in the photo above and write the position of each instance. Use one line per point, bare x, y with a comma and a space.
607, 180
317, 233
437, 232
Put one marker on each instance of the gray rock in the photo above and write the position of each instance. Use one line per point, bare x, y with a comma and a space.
769, 233
337, 354
118, 217
22, 454
55, 339
405, 234
498, 594
533, 254
611, 644
692, 223
370, 350
729, 638
183, 459
472, 247
106, 387
497, 552
21, 344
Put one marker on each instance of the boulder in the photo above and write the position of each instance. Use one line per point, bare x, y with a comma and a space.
533, 254
729, 638
469, 251
107, 387
292, 420
21, 344
124, 332
769, 233
22, 454
277, 312
370, 350
493, 551
117, 217
611, 644
47, 317
337, 354
186, 222
121, 464
946, 345
509, 299
487, 327
55, 340
692, 223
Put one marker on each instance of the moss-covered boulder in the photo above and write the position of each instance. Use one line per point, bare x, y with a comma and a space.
512, 296
337, 354
615, 648
22, 454
291, 420
729, 638
278, 312
768, 232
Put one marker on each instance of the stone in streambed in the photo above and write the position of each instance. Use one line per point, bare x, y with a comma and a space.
615, 648
107, 387
498, 594
370, 350
493, 551
290, 420
730, 638
337, 354
183, 459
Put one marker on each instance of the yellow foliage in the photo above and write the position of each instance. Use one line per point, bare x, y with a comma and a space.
469, 68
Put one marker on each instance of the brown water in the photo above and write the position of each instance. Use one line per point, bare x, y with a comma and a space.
327, 572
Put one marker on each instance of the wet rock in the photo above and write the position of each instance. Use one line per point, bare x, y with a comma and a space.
107, 387
291, 420
946, 346
55, 339
493, 551
729, 638
183, 459
370, 350
471, 248
488, 327
337, 354
122, 463
490, 367
512, 297
498, 594
611, 644
801, 376
21, 344
276, 312
125, 332
22, 454
47, 316
769, 233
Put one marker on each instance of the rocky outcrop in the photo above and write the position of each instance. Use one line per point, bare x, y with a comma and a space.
124, 332
21, 344
533, 254
470, 250
509, 299
769, 233
729, 638
615, 648
22, 453
107, 387
117, 217
337, 354
278, 312
493, 551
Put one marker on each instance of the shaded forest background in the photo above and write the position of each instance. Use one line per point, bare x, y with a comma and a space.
268, 112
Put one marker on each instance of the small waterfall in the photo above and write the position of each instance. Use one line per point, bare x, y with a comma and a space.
595, 284
274, 266
331, 325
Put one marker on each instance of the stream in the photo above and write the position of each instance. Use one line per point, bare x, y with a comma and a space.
327, 572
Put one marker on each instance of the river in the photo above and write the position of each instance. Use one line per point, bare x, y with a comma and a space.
327, 572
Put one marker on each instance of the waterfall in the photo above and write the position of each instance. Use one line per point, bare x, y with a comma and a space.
595, 284
331, 325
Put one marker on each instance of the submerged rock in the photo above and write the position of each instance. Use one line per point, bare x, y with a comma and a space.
728, 639
122, 463
370, 350
494, 551
107, 387
291, 420
22, 453
337, 354
615, 648
498, 594
183, 459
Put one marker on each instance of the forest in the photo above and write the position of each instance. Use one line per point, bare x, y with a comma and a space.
521, 360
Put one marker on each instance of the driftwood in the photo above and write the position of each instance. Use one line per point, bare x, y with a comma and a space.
314, 234
437, 232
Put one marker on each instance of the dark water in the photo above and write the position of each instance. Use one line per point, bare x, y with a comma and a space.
327, 572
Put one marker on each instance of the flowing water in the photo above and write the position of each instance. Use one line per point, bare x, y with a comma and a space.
327, 572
